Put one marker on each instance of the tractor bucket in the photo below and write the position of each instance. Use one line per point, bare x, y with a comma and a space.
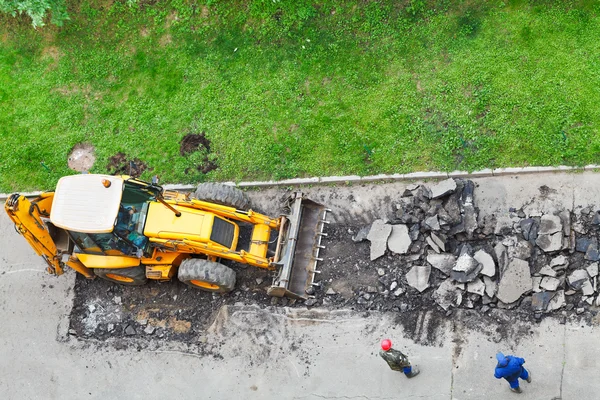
298, 246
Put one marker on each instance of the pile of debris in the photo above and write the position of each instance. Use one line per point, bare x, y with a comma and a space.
540, 262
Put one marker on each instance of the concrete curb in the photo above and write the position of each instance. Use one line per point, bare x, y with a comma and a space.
413, 176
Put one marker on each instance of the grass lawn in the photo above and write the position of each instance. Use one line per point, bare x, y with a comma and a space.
286, 88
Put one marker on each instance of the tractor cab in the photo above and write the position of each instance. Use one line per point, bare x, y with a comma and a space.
102, 214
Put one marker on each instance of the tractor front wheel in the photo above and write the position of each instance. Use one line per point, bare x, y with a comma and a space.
223, 194
134, 276
206, 275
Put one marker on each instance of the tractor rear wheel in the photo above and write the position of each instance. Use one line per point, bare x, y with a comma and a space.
223, 194
134, 276
206, 275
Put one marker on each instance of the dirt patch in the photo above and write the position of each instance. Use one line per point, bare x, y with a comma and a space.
74, 90
546, 191
172, 17
165, 40
204, 12
82, 157
193, 142
119, 164
53, 53
196, 146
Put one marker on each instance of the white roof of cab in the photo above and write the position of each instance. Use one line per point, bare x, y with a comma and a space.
83, 204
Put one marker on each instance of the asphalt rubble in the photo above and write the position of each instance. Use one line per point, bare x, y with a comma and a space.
433, 248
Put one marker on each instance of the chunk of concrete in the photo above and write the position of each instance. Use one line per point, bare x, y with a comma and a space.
592, 270
504, 225
443, 262
432, 244
433, 223
547, 271
466, 269
557, 301
470, 219
149, 330
362, 234
477, 287
583, 243
586, 288
439, 240
540, 301
378, 236
515, 281
577, 278
565, 218
446, 295
549, 283
443, 188
592, 253
550, 224
589, 300
491, 287
399, 240
487, 262
452, 212
520, 249
535, 283
550, 242
526, 225
559, 262
418, 277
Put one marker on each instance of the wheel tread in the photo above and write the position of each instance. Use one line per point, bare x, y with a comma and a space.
208, 271
222, 194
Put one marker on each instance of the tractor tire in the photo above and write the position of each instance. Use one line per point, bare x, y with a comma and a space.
134, 276
206, 275
223, 194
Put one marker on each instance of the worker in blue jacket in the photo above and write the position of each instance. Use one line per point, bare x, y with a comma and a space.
511, 368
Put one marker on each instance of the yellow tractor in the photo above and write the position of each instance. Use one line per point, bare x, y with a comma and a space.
128, 231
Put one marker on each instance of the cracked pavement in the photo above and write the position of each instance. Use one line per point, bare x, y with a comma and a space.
279, 353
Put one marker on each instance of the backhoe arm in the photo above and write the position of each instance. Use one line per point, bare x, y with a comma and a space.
27, 216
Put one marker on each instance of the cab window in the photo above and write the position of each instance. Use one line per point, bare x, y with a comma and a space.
103, 243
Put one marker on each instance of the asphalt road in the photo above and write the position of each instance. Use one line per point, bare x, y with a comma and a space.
291, 354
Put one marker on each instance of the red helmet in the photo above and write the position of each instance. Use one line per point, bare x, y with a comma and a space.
386, 344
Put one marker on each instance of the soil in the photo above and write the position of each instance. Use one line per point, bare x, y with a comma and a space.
198, 142
192, 142
82, 157
174, 312
120, 164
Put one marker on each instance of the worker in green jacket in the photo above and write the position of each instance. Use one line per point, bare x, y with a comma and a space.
397, 360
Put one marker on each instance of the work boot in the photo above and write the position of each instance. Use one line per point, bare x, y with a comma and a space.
516, 390
414, 372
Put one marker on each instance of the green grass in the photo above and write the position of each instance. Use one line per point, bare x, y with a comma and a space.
288, 89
